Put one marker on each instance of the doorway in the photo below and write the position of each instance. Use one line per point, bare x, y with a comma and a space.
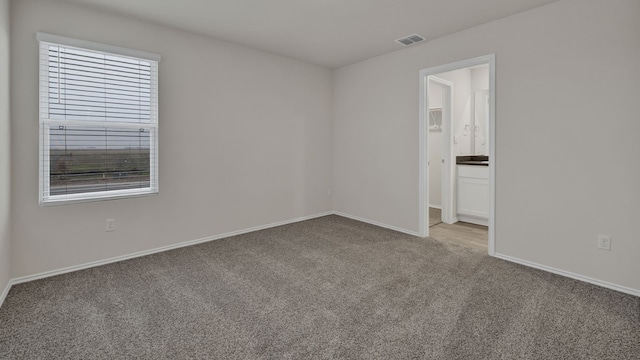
458, 140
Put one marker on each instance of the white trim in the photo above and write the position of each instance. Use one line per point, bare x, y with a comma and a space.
376, 223
422, 180
55, 200
85, 44
5, 292
92, 264
423, 174
605, 284
492, 154
447, 170
473, 220
435, 206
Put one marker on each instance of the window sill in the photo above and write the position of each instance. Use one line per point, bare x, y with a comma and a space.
94, 197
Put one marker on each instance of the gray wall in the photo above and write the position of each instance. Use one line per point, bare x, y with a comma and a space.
566, 125
5, 269
245, 141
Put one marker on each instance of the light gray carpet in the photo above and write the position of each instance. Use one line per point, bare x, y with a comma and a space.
325, 288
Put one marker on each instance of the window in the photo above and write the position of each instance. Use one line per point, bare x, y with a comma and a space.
98, 121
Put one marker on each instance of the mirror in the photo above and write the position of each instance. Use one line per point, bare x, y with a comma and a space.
480, 123
435, 119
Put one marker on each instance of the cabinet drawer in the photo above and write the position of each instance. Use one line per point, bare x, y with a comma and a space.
473, 171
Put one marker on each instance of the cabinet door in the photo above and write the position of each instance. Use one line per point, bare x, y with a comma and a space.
473, 197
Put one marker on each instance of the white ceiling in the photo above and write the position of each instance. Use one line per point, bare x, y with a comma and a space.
332, 33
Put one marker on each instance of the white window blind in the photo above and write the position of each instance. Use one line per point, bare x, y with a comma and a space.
98, 122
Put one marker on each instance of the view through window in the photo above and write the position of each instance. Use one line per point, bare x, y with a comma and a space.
98, 117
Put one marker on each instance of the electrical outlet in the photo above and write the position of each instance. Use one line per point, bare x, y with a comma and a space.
110, 225
329, 191
604, 242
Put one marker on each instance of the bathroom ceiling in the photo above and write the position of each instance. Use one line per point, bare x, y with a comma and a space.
331, 33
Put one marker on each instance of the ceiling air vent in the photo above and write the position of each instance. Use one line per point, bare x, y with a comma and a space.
411, 39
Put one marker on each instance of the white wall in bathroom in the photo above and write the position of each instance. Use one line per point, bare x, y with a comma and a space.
461, 103
480, 82
435, 95
480, 78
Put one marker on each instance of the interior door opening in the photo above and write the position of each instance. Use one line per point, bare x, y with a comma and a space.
457, 151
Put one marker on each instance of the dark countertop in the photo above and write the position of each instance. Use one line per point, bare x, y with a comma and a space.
478, 160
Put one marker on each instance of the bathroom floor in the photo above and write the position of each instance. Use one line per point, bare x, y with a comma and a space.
461, 233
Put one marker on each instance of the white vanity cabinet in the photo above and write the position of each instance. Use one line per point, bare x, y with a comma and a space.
473, 194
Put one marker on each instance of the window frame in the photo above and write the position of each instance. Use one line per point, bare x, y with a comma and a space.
45, 123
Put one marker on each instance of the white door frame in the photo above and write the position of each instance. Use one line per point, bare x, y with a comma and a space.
423, 192
448, 214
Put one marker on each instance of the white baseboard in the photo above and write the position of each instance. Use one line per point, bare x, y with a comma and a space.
88, 265
569, 274
435, 206
454, 220
377, 223
5, 292
473, 220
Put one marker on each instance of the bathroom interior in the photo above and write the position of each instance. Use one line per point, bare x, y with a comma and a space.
460, 99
